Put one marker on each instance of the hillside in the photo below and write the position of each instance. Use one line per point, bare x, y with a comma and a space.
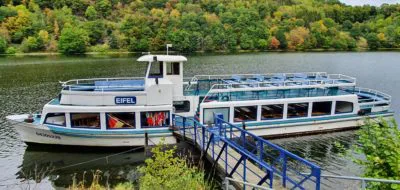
78, 26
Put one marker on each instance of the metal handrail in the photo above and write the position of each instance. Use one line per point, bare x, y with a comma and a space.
228, 180
375, 92
253, 74
78, 81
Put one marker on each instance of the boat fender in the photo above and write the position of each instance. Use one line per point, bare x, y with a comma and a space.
156, 81
29, 119
361, 112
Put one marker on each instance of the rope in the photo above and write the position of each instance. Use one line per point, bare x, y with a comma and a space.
77, 164
96, 159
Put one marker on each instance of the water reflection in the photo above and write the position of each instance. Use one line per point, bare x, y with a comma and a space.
61, 165
331, 151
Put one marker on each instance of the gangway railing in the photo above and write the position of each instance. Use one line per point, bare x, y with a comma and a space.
270, 159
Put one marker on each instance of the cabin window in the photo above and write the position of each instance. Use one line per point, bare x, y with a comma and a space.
297, 110
154, 119
208, 114
55, 119
85, 120
173, 68
343, 107
272, 112
245, 113
321, 108
181, 106
120, 120
156, 70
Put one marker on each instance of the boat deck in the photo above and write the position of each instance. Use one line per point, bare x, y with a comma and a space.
224, 83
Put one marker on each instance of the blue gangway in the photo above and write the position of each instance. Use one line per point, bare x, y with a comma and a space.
241, 154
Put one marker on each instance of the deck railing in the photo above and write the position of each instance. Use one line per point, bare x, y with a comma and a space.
375, 93
88, 84
270, 158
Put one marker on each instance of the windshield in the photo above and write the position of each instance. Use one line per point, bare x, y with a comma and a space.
156, 70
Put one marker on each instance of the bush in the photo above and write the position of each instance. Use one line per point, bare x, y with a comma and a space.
32, 44
164, 171
380, 143
101, 48
72, 41
3, 45
11, 50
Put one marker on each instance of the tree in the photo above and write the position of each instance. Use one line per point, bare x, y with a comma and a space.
32, 44
379, 141
274, 44
91, 13
103, 7
3, 45
280, 35
73, 40
297, 36
373, 41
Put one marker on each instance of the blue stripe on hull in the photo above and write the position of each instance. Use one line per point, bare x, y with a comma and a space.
302, 120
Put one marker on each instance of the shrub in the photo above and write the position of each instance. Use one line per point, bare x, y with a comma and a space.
11, 50
380, 143
164, 171
72, 41
101, 48
32, 44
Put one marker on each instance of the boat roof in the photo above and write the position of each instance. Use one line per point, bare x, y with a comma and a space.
166, 58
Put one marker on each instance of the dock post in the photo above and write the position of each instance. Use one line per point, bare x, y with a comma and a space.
184, 127
146, 143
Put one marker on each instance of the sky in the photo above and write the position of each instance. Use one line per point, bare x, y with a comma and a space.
370, 2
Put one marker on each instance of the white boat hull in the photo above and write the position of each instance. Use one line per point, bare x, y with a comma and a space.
311, 127
40, 134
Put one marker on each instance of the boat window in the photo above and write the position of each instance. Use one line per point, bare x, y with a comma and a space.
173, 68
321, 108
154, 119
208, 114
120, 120
55, 119
156, 70
85, 120
272, 112
343, 107
245, 113
297, 110
181, 106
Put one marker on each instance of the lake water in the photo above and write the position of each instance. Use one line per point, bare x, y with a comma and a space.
26, 83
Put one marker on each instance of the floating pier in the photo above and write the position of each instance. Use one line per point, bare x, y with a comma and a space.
243, 156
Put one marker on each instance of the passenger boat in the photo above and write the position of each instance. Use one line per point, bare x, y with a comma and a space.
120, 111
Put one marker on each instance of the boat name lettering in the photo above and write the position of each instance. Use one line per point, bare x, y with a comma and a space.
48, 136
125, 100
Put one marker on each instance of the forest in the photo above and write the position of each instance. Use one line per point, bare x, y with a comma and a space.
79, 26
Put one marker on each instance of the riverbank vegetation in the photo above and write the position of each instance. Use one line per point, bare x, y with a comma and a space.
380, 143
78, 26
163, 170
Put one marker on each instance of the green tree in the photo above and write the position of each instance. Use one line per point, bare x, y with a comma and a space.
103, 7
91, 13
3, 45
73, 40
379, 141
373, 41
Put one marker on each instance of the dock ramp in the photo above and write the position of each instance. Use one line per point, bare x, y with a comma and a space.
244, 156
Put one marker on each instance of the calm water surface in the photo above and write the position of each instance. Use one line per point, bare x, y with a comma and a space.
26, 83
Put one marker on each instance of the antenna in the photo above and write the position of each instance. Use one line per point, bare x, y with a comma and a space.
168, 46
